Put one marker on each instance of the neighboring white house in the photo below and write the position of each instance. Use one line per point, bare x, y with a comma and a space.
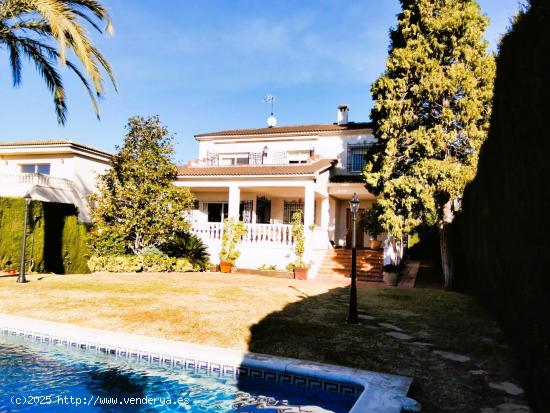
262, 176
52, 170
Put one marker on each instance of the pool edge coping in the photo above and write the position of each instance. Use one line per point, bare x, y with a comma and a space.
382, 393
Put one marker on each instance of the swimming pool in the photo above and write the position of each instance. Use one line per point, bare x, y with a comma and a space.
52, 378
63, 367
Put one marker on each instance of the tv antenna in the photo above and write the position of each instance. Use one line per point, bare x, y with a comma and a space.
272, 120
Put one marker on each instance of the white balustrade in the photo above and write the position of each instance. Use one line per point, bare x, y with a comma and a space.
256, 234
29, 179
208, 231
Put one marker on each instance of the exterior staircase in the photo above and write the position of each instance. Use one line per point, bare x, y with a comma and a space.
337, 264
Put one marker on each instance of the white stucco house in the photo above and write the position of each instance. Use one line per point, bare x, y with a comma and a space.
52, 171
262, 176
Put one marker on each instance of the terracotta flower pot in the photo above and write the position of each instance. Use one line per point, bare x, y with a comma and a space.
226, 266
300, 273
391, 278
374, 244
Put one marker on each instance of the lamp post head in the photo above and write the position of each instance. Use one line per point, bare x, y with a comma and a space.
354, 204
27, 198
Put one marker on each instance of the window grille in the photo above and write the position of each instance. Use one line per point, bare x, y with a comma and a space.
212, 158
356, 157
290, 207
255, 158
245, 211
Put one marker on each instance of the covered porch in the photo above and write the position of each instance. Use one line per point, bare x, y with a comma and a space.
266, 208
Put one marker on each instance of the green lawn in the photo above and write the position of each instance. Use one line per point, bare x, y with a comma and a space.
291, 318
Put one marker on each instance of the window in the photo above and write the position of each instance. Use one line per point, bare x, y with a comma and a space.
245, 211
356, 158
217, 211
42, 168
298, 156
234, 159
290, 207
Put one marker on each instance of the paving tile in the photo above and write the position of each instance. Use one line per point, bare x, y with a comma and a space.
452, 356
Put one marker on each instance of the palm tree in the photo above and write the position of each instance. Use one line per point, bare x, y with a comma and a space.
43, 30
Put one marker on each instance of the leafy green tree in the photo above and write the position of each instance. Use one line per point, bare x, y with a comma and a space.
43, 30
430, 117
137, 200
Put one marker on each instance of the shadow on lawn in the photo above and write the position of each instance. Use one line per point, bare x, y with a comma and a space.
299, 331
315, 329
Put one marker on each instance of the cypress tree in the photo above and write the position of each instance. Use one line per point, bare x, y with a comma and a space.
430, 117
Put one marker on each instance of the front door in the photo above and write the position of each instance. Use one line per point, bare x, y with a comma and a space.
263, 210
360, 236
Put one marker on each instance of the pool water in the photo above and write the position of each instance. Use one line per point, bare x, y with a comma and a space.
44, 377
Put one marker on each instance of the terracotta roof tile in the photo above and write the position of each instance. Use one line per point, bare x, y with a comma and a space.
54, 142
281, 130
249, 170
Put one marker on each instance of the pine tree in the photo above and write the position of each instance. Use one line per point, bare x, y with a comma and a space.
137, 200
430, 117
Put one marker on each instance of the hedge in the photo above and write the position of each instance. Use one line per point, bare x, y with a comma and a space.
56, 241
145, 263
505, 223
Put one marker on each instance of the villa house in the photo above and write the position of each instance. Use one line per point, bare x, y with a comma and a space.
259, 176
52, 171
262, 176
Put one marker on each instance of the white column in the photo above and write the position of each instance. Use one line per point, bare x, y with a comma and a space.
234, 202
254, 207
325, 213
309, 211
309, 205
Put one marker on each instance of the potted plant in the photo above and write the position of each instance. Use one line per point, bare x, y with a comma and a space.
370, 223
300, 268
232, 233
391, 273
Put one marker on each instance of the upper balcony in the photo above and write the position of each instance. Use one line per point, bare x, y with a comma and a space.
257, 158
15, 183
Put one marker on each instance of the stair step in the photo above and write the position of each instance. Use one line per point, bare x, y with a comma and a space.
337, 263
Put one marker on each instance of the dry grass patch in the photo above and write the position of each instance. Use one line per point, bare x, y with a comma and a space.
289, 318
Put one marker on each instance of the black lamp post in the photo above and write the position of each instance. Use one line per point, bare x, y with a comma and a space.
21, 278
352, 314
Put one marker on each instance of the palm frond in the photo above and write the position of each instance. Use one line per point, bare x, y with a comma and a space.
15, 62
24, 22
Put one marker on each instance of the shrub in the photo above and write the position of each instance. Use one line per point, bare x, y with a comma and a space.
115, 263
106, 243
157, 263
299, 240
188, 245
184, 265
370, 221
151, 250
233, 231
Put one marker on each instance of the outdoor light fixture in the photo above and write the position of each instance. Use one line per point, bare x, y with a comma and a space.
352, 313
21, 278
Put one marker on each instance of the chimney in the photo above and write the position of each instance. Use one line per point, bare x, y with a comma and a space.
343, 114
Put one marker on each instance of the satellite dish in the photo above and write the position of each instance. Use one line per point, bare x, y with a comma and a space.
271, 121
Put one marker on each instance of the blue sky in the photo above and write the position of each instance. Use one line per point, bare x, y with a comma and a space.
207, 65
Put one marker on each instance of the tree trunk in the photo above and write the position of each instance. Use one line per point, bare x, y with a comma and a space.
447, 261
446, 246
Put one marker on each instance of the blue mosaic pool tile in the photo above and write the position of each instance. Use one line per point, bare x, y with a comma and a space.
197, 365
